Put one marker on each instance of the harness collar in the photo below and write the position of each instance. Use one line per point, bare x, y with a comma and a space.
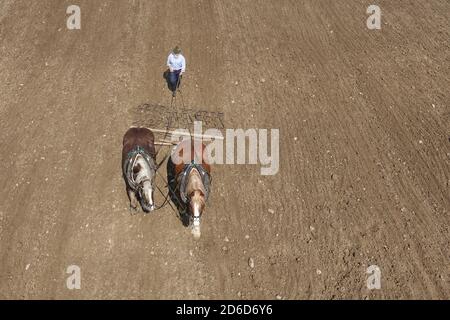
129, 164
206, 180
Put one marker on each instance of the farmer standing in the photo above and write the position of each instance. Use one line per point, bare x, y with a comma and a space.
177, 66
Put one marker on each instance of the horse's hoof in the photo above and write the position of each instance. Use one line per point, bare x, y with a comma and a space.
196, 233
197, 236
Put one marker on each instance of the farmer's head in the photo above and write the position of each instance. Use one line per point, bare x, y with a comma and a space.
177, 51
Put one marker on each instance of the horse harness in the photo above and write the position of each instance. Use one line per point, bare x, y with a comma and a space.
205, 176
131, 161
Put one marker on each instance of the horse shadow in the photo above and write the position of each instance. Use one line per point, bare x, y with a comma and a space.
174, 195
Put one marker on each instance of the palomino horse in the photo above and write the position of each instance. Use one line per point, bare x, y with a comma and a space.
188, 174
139, 167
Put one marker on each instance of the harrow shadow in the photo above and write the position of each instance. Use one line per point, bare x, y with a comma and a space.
159, 116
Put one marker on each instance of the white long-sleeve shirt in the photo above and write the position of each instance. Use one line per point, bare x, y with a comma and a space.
176, 63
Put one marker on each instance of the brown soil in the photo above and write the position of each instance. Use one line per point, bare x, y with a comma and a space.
364, 125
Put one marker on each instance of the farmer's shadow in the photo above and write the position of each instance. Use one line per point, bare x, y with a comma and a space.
166, 77
174, 194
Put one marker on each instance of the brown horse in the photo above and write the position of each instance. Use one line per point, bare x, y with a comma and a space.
139, 167
189, 174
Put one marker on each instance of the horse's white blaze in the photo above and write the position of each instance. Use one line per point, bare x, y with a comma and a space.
196, 232
196, 215
148, 191
145, 173
196, 225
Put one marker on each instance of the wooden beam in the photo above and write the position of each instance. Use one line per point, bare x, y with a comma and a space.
164, 143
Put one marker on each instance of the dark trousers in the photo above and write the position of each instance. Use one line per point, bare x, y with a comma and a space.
174, 79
